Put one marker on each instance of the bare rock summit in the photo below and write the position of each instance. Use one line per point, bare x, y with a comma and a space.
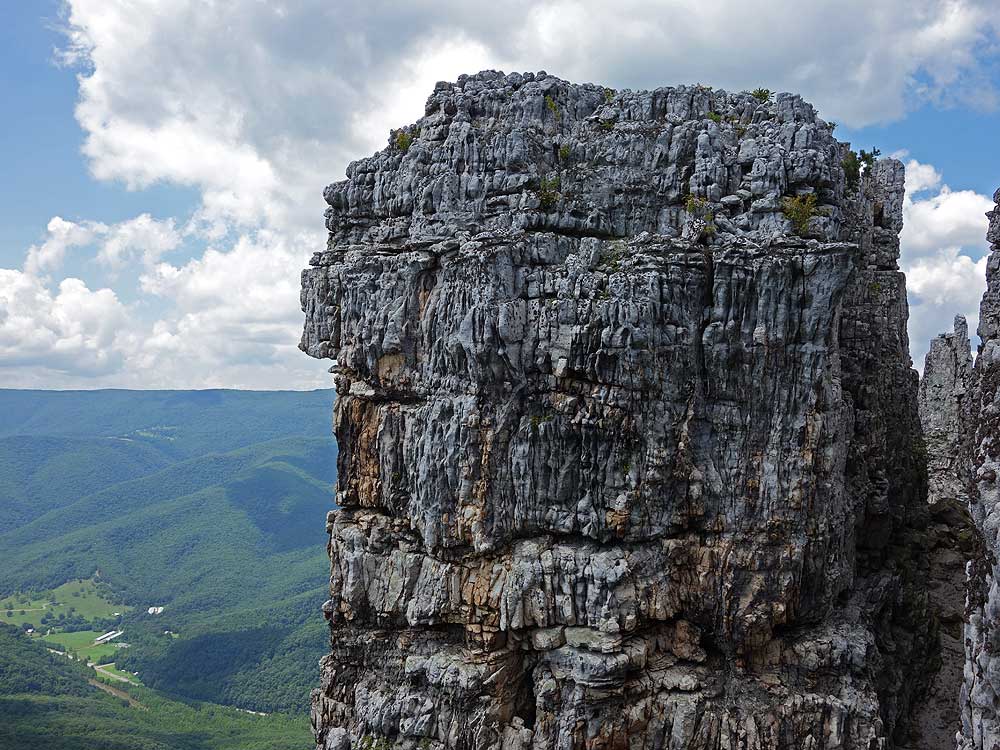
629, 443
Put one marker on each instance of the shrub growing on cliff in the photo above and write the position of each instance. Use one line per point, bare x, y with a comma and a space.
564, 152
698, 208
548, 193
852, 169
715, 117
371, 742
800, 210
709, 229
613, 255
761, 95
695, 206
403, 141
553, 107
868, 158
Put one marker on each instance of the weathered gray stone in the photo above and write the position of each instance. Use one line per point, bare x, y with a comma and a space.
942, 406
953, 539
980, 700
624, 462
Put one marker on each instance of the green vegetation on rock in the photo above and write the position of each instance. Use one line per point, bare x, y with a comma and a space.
800, 210
548, 192
403, 141
852, 169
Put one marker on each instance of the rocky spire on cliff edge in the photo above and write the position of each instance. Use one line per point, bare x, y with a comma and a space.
942, 401
628, 429
980, 700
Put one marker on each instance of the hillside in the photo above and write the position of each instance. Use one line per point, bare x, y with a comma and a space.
49, 701
179, 423
39, 473
213, 512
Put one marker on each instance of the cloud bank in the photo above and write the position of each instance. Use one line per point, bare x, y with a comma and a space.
257, 105
943, 253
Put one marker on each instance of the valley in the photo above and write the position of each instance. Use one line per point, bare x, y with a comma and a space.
189, 521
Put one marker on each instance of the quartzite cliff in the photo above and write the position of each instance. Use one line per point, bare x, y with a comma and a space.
979, 456
629, 446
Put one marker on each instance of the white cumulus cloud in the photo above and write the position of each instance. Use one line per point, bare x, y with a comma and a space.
72, 330
142, 237
943, 253
258, 105
61, 236
946, 219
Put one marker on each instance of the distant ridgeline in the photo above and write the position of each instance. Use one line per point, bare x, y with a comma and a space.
206, 503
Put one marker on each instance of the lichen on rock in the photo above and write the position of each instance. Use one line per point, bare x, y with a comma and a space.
627, 460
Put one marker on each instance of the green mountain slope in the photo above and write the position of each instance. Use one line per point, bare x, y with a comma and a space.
39, 473
182, 423
252, 496
49, 701
229, 540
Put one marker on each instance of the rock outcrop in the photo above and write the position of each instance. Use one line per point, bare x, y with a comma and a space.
952, 537
628, 430
981, 688
942, 408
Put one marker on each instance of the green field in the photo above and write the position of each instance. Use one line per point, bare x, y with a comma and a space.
48, 701
87, 600
120, 673
83, 598
82, 643
177, 499
21, 615
73, 641
25, 608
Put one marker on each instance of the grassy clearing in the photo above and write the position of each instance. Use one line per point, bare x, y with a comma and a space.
120, 673
82, 644
28, 609
80, 598
102, 653
73, 641
87, 600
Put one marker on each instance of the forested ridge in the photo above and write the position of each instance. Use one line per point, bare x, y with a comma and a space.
209, 504
50, 701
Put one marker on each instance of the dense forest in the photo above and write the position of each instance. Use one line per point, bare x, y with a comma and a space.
209, 504
50, 701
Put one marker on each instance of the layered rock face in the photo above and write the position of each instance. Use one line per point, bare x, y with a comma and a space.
952, 539
942, 407
625, 462
981, 688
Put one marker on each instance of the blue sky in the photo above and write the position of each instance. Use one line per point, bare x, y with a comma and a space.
164, 159
41, 140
